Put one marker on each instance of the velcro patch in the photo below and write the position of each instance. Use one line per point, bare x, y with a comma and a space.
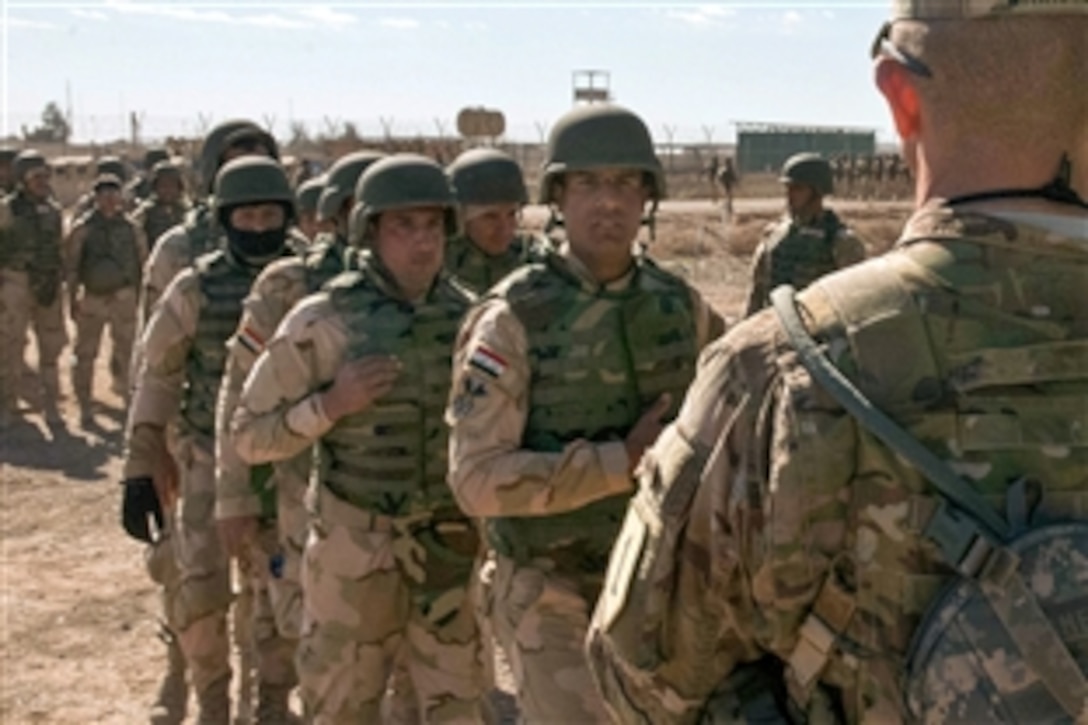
487, 361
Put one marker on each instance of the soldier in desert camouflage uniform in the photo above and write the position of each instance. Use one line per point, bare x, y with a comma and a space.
562, 375
184, 356
777, 551
809, 241
112, 165
175, 250
306, 198
31, 280
358, 369
165, 205
490, 191
143, 185
104, 255
260, 512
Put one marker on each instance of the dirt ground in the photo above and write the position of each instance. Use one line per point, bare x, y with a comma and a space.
77, 610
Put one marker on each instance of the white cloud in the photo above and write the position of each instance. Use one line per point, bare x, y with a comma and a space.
702, 14
270, 20
324, 15
170, 11
400, 23
88, 14
475, 26
13, 22
791, 18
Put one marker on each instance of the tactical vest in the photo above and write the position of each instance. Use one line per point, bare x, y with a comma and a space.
324, 259
391, 458
802, 253
995, 382
199, 228
599, 359
157, 217
35, 226
110, 260
481, 271
224, 285
32, 244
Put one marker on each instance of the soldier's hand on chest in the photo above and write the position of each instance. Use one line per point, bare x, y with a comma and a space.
359, 383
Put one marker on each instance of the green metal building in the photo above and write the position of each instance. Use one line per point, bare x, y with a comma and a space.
764, 147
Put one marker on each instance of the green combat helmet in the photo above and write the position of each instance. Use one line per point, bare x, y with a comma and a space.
154, 155
398, 182
308, 193
111, 165
809, 169
7, 154
600, 136
487, 176
163, 169
217, 141
253, 180
341, 179
25, 161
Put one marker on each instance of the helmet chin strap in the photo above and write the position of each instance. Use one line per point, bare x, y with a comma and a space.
1057, 190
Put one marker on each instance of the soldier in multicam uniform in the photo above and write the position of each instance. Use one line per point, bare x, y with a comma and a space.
260, 512
562, 376
809, 241
774, 537
165, 205
362, 369
31, 278
104, 255
184, 356
490, 190
306, 198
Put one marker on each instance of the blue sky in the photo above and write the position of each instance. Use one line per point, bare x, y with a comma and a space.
687, 68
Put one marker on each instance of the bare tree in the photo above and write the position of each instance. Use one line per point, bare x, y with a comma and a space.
387, 126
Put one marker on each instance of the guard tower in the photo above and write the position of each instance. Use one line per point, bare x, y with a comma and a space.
591, 86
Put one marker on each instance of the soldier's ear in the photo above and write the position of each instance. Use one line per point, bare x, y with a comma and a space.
897, 85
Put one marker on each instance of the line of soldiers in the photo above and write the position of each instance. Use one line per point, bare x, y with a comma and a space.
863, 504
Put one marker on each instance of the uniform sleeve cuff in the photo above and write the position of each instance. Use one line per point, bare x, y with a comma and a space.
616, 464
307, 419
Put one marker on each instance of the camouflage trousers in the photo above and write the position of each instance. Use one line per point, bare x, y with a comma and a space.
162, 567
275, 650
540, 618
292, 527
204, 594
361, 614
95, 311
19, 311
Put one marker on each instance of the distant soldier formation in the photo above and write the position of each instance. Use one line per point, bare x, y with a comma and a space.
389, 443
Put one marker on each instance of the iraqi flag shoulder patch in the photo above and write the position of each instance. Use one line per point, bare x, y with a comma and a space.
251, 340
487, 361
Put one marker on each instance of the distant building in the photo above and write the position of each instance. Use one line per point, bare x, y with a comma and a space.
763, 147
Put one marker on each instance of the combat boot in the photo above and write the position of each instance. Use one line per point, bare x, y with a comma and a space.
214, 703
272, 704
171, 703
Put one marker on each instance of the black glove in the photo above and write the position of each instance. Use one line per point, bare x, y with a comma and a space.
140, 499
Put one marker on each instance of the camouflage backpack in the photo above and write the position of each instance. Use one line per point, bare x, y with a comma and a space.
1013, 621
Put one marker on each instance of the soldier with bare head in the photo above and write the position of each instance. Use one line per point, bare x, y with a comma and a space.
562, 376
871, 507
105, 253
809, 241
361, 369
